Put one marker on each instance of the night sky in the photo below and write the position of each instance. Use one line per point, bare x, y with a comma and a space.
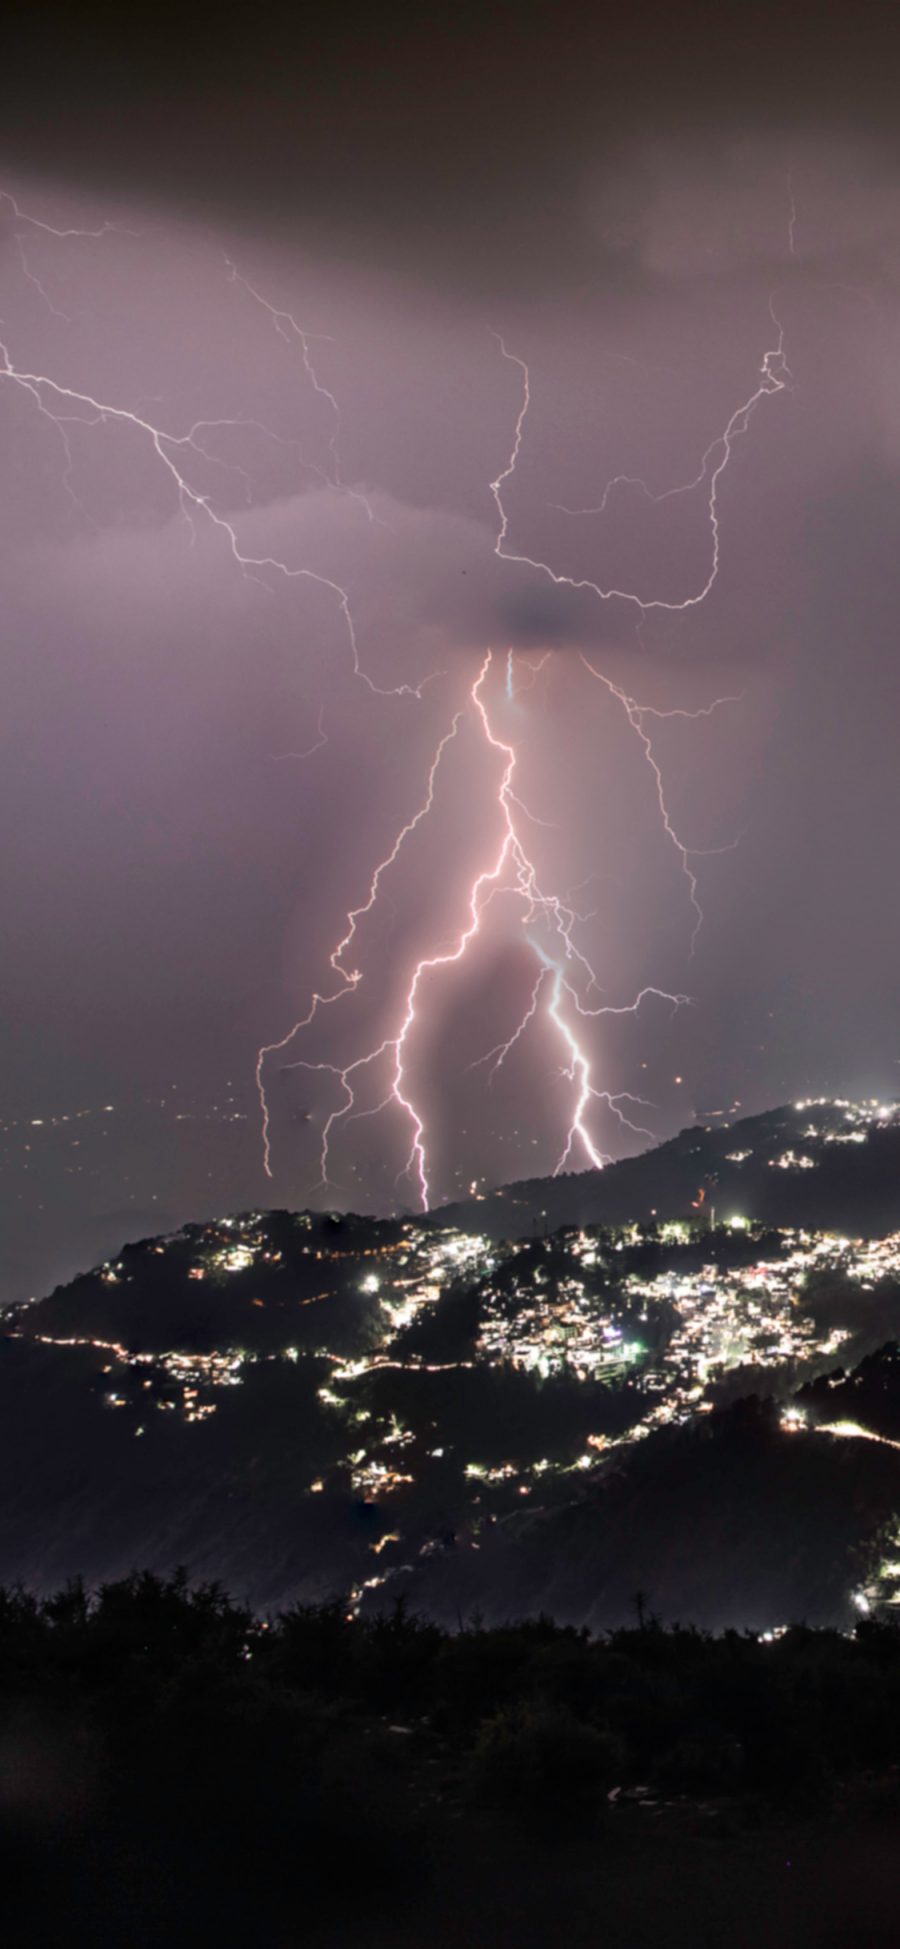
327, 250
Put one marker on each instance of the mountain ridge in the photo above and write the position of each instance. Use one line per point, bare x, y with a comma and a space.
666, 1180
310, 1404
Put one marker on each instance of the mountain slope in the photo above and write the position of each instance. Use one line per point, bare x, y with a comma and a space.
301, 1404
851, 1181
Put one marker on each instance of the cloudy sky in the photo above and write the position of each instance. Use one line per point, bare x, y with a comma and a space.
268, 309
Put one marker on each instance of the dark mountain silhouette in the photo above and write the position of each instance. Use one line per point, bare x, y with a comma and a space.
854, 1186
310, 1404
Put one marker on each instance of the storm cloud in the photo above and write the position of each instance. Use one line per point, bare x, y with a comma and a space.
197, 785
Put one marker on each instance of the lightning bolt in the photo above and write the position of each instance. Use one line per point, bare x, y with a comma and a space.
288, 329
168, 448
565, 982
513, 855
51, 230
357, 914
501, 1050
578, 1072
509, 870
636, 714
63, 406
514, 689
321, 740
348, 978
774, 374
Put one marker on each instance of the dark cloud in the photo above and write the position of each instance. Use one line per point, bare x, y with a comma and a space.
456, 142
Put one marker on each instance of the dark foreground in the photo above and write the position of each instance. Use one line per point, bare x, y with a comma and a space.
174, 1770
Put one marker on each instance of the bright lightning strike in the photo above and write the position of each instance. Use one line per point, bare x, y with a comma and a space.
511, 871
564, 983
774, 375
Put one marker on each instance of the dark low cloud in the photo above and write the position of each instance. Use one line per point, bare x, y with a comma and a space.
458, 144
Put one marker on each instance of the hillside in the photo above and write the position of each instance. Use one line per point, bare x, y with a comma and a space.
819, 1164
303, 1404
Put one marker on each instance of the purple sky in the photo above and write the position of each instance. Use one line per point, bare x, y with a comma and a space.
176, 878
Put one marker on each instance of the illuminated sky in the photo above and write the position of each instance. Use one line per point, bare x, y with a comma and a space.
197, 782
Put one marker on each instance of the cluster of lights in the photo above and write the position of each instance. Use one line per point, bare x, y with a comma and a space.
592, 1317
651, 1310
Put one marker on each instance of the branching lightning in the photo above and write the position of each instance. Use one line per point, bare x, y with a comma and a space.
293, 333
636, 714
564, 976
348, 978
562, 1003
169, 448
774, 376
51, 230
514, 689
497, 1056
105, 229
